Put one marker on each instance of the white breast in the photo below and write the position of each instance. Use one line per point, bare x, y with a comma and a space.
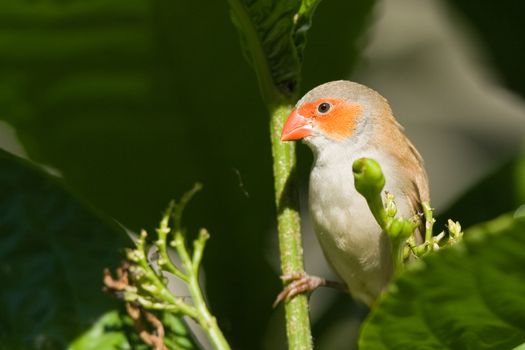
352, 241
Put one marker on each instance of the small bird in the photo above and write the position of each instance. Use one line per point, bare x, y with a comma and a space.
342, 121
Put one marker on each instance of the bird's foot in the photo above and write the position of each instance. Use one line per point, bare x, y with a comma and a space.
299, 283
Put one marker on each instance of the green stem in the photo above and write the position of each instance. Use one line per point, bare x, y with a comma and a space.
164, 261
377, 208
369, 182
198, 249
289, 227
205, 319
288, 223
151, 290
161, 291
398, 247
429, 221
399, 230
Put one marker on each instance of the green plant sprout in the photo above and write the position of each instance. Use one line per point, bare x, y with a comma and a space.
145, 287
369, 182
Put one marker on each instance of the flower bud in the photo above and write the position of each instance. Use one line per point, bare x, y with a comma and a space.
369, 178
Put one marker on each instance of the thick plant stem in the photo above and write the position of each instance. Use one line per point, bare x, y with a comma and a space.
278, 104
289, 227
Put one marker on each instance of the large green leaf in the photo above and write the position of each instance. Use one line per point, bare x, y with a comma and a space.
52, 253
273, 36
471, 296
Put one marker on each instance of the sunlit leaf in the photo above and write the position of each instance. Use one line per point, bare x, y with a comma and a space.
471, 296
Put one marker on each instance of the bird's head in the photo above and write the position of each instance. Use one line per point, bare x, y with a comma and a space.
334, 113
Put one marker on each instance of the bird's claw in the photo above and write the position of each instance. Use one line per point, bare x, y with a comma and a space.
298, 283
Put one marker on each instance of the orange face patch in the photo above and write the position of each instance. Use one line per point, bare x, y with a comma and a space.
338, 122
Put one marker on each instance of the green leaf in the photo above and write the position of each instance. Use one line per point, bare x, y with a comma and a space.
273, 37
520, 347
52, 253
302, 24
115, 330
106, 333
177, 335
471, 296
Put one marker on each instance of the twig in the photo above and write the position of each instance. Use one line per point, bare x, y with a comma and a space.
145, 288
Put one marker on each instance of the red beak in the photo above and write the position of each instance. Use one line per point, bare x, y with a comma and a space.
296, 127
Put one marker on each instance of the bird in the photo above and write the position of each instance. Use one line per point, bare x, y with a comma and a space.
342, 121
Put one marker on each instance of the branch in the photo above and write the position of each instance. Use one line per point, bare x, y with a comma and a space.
139, 283
273, 40
289, 227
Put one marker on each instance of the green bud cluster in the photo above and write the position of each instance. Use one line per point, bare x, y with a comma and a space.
369, 182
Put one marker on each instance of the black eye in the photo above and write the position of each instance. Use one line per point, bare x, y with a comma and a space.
324, 107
